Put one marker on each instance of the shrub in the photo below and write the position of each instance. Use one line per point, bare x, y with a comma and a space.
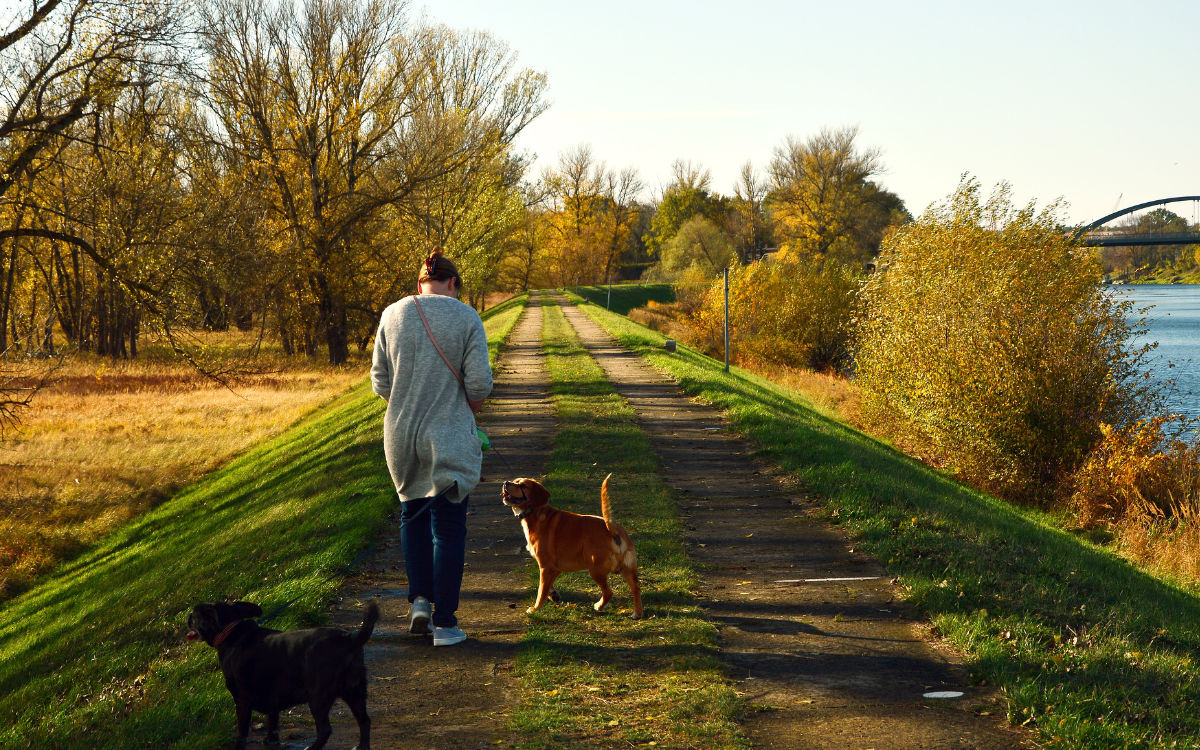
1138, 473
783, 312
989, 341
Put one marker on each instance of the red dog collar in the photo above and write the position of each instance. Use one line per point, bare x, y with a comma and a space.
225, 633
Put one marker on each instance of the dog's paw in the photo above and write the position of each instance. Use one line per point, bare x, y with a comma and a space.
531, 610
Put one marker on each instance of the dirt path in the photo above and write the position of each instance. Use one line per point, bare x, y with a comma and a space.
455, 697
831, 660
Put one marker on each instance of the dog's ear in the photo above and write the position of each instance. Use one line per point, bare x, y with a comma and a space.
246, 610
535, 492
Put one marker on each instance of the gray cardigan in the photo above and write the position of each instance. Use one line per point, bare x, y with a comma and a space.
428, 429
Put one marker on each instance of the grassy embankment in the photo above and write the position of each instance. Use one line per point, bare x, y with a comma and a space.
94, 656
626, 297
601, 679
1087, 650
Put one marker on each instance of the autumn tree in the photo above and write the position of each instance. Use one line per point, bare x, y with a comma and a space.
700, 246
590, 218
745, 222
990, 343
689, 194
346, 111
824, 202
64, 66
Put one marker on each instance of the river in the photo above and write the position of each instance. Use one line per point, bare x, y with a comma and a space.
1174, 322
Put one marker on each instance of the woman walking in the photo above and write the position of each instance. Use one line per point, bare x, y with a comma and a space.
431, 366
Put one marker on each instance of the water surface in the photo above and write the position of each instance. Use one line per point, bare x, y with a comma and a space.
1174, 322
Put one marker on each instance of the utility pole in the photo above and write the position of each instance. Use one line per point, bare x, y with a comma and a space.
726, 273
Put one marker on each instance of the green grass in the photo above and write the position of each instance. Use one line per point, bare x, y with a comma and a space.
603, 679
1088, 651
95, 656
626, 297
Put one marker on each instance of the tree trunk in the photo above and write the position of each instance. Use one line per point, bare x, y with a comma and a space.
332, 320
6, 287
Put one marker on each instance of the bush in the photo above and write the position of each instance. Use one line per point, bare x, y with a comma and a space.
990, 343
1138, 475
783, 312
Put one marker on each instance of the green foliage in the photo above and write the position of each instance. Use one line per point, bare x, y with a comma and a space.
679, 204
699, 245
989, 342
1086, 651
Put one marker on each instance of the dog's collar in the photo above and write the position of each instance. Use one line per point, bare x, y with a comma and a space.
225, 633
525, 514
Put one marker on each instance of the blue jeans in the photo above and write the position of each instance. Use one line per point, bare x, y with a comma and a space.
433, 532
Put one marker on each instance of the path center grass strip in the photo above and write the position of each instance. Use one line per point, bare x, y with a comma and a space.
95, 656
603, 679
1087, 650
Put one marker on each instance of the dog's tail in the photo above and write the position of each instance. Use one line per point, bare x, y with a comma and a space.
605, 505
368, 625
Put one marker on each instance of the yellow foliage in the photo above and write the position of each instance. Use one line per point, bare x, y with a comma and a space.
1137, 474
991, 344
785, 313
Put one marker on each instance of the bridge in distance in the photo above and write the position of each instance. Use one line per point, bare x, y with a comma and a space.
1094, 235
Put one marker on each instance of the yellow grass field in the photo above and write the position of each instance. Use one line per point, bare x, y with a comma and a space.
105, 440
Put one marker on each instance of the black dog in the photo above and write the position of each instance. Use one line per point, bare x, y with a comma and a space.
268, 670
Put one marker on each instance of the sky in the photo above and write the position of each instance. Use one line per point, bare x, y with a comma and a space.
1092, 102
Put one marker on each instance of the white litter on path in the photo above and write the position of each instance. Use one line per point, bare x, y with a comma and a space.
944, 694
828, 580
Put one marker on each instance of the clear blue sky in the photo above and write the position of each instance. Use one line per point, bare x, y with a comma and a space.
1095, 102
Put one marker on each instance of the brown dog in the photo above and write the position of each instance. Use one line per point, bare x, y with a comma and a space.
562, 541
269, 671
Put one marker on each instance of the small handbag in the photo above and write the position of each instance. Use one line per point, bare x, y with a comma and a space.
485, 443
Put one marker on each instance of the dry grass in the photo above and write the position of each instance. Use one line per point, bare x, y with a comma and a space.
107, 440
1170, 549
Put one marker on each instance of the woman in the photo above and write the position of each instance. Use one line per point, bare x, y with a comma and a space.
429, 437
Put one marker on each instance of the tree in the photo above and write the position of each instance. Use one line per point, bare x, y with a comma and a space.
347, 113
699, 245
824, 202
590, 219
746, 223
64, 62
687, 196
989, 344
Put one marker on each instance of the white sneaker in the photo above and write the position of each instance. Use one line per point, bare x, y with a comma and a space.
448, 636
418, 616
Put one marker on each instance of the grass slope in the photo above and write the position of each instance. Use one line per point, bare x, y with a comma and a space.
95, 657
625, 297
601, 679
1089, 651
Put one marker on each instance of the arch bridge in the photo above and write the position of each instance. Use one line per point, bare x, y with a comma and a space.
1093, 235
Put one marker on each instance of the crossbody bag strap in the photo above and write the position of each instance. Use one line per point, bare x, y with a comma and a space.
445, 359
